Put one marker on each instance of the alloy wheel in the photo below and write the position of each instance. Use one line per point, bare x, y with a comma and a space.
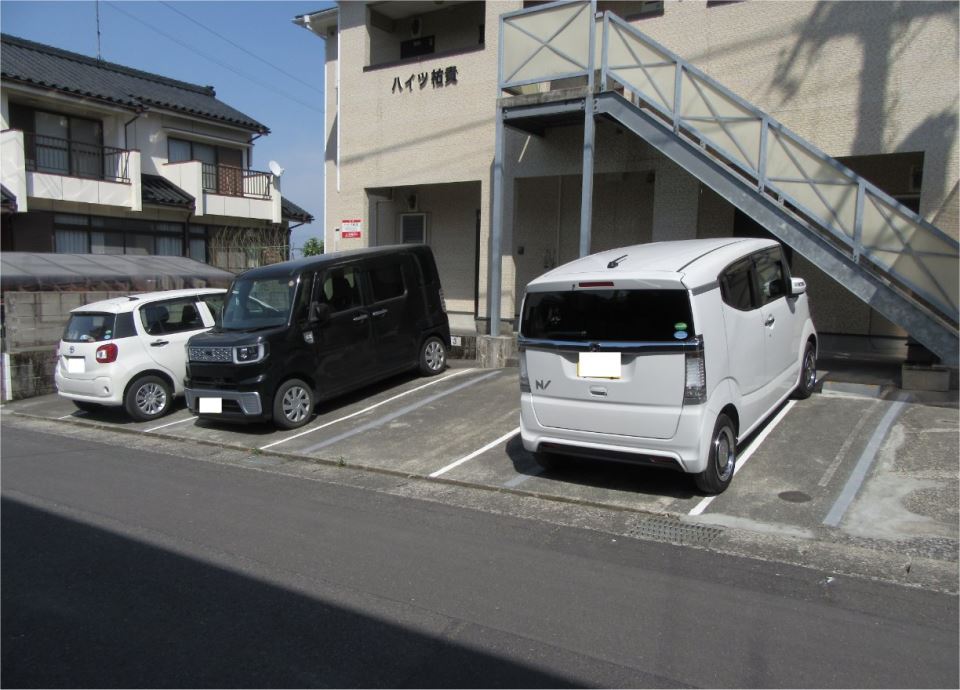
151, 399
725, 451
433, 355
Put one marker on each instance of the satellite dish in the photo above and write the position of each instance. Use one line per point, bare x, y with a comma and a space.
275, 168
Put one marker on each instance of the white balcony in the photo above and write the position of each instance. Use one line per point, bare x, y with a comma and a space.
227, 191
41, 167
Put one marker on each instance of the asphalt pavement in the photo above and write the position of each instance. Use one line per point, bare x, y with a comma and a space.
861, 478
127, 567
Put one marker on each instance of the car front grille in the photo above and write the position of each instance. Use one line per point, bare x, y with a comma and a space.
209, 383
211, 354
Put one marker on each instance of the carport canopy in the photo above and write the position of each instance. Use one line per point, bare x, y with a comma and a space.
74, 272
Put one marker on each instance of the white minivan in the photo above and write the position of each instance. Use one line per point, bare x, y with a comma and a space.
664, 354
131, 351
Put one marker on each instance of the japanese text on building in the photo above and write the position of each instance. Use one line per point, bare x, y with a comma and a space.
437, 79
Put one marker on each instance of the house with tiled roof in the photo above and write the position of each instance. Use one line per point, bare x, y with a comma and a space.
99, 158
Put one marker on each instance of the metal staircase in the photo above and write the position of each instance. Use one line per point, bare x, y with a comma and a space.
883, 252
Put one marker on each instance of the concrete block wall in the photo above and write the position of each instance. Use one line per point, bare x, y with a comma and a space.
33, 323
36, 319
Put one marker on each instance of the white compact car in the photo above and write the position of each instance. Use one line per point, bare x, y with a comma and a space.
663, 354
131, 351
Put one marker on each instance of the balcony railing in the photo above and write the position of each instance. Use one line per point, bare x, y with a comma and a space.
231, 181
56, 156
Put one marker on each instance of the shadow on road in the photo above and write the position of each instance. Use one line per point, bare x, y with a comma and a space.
82, 607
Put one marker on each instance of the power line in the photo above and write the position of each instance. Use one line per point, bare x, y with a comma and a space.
213, 59
240, 47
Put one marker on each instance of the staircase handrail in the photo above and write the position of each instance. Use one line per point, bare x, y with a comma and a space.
866, 192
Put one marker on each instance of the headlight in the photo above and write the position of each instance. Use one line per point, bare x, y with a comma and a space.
249, 354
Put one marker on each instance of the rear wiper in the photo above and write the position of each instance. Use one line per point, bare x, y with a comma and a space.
616, 262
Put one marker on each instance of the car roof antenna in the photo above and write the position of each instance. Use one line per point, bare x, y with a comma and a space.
616, 262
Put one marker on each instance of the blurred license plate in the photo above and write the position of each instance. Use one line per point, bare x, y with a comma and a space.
211, 405
75, 365
599, 365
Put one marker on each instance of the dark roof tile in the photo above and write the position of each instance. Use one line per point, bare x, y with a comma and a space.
160, 191
41, 65
290, 211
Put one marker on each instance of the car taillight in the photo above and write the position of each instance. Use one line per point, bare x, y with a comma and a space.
443, 302
107, 353
695, 379
524, 375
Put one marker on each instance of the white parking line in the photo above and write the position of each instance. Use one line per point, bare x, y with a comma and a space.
742, 460
366, 409
859, 473
492, 444
521, 478
179, 421
396, 414
66, 416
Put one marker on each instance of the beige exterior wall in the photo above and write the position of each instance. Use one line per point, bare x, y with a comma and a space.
860, 79
854, 78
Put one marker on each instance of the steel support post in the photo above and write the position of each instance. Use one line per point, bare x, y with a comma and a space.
586, 195
495, 257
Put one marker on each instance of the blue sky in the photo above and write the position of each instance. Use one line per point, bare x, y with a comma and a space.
290, 104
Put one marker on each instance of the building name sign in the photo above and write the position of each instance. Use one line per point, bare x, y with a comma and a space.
437, 79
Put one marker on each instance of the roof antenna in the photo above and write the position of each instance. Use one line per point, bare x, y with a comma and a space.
616, 262
99, 58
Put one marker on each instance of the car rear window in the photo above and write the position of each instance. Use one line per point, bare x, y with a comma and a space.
609, 315
90, 327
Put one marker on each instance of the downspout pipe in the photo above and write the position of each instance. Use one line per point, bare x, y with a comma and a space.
136, 116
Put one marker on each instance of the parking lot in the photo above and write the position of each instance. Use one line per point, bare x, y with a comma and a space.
871, 464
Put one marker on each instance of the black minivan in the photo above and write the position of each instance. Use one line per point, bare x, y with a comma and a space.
297, 332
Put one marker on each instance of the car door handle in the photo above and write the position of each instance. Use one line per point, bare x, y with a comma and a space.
770, 321
361, 317
380, 312
159, 343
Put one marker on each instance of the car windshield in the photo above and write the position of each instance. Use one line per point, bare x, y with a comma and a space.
89, 327
608, 315
253, 304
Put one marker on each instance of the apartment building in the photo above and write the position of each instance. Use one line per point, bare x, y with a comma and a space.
461, 124
99, 158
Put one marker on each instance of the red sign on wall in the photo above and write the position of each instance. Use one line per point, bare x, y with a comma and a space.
351, 228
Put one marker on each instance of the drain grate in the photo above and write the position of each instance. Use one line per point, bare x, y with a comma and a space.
672, 531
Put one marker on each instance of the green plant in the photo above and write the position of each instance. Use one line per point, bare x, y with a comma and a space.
312, 247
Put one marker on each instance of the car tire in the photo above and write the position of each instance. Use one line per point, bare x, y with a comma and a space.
808, 373
293, 404
84, 406
722, 459
433, 356
148, 397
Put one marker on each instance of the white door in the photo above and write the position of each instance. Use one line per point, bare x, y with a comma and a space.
779, 323
743, 320
165, 328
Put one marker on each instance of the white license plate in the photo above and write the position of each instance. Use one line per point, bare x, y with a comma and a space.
75, 365
599, 365
211, 405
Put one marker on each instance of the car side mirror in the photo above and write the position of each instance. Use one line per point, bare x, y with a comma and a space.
798, 286
319, 312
